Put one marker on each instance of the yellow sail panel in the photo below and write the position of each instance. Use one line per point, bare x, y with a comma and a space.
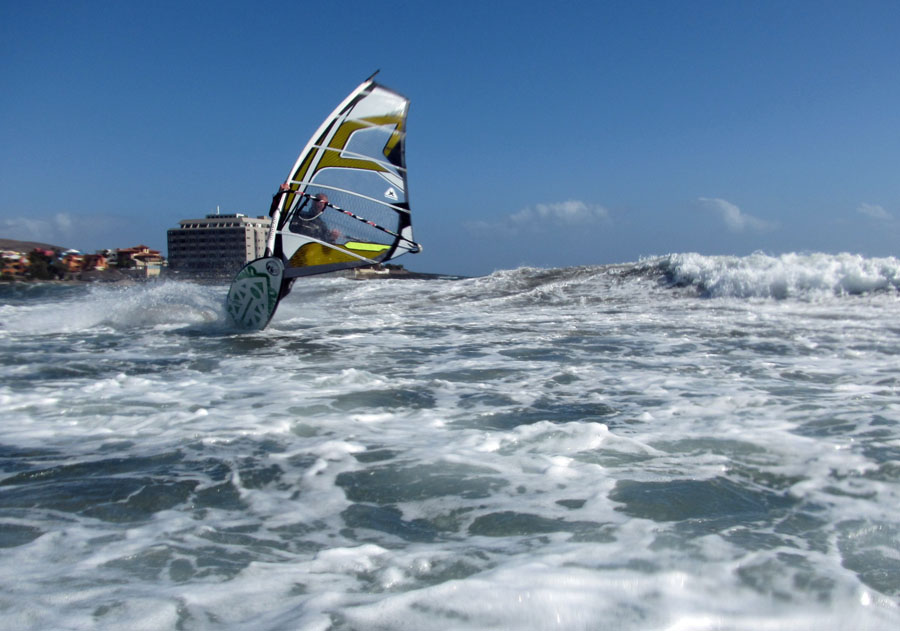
356, 246
311, 254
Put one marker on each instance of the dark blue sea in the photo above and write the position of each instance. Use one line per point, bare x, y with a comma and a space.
681, 443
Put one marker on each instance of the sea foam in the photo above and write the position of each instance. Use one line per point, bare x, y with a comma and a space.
684, 442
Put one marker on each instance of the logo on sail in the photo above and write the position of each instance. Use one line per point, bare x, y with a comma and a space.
391, 194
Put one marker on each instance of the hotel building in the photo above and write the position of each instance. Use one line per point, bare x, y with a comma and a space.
218, 244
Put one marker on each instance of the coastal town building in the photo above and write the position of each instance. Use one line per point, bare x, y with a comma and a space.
72, 261
95, 262
146, 262
13, 265
23, 260
217, 244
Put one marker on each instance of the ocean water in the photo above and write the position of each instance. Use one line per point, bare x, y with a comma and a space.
685, 442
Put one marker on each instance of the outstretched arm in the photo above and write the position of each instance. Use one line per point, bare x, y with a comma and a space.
276, 198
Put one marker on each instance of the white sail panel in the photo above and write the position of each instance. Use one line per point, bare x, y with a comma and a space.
349, 203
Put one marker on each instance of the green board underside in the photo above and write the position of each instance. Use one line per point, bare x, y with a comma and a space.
253, 296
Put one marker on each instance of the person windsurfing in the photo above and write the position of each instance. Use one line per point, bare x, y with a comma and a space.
308, 220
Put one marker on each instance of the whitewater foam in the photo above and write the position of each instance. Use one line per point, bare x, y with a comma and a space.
790, 275
670, 444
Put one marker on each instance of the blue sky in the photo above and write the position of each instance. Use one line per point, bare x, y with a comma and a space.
545, 134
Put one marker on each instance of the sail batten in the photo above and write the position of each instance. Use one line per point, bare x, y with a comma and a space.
370, 199
344, 154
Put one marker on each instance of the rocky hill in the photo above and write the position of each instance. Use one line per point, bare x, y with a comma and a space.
26, 246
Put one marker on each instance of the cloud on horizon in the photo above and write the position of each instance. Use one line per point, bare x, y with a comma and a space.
570, 213
874, 211
733, 218
56, 230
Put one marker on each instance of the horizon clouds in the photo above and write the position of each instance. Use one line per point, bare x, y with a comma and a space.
733, 217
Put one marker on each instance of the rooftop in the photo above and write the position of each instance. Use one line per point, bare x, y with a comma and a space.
234, 219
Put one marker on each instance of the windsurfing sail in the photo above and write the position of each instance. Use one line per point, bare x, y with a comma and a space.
345, 202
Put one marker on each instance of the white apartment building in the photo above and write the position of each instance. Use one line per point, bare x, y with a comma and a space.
218, 244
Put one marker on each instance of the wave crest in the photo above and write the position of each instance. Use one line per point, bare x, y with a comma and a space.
787, 276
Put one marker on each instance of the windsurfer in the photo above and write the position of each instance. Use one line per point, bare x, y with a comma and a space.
310, 221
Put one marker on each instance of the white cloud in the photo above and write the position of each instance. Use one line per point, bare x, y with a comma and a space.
875, 211
481, 228
735, 220
569, 213
56, 230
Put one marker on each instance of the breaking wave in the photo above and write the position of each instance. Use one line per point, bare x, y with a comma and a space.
788, 276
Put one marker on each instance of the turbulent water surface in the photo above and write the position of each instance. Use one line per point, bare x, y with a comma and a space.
682, 443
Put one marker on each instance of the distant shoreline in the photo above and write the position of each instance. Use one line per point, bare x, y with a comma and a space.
128, 275
116, 277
